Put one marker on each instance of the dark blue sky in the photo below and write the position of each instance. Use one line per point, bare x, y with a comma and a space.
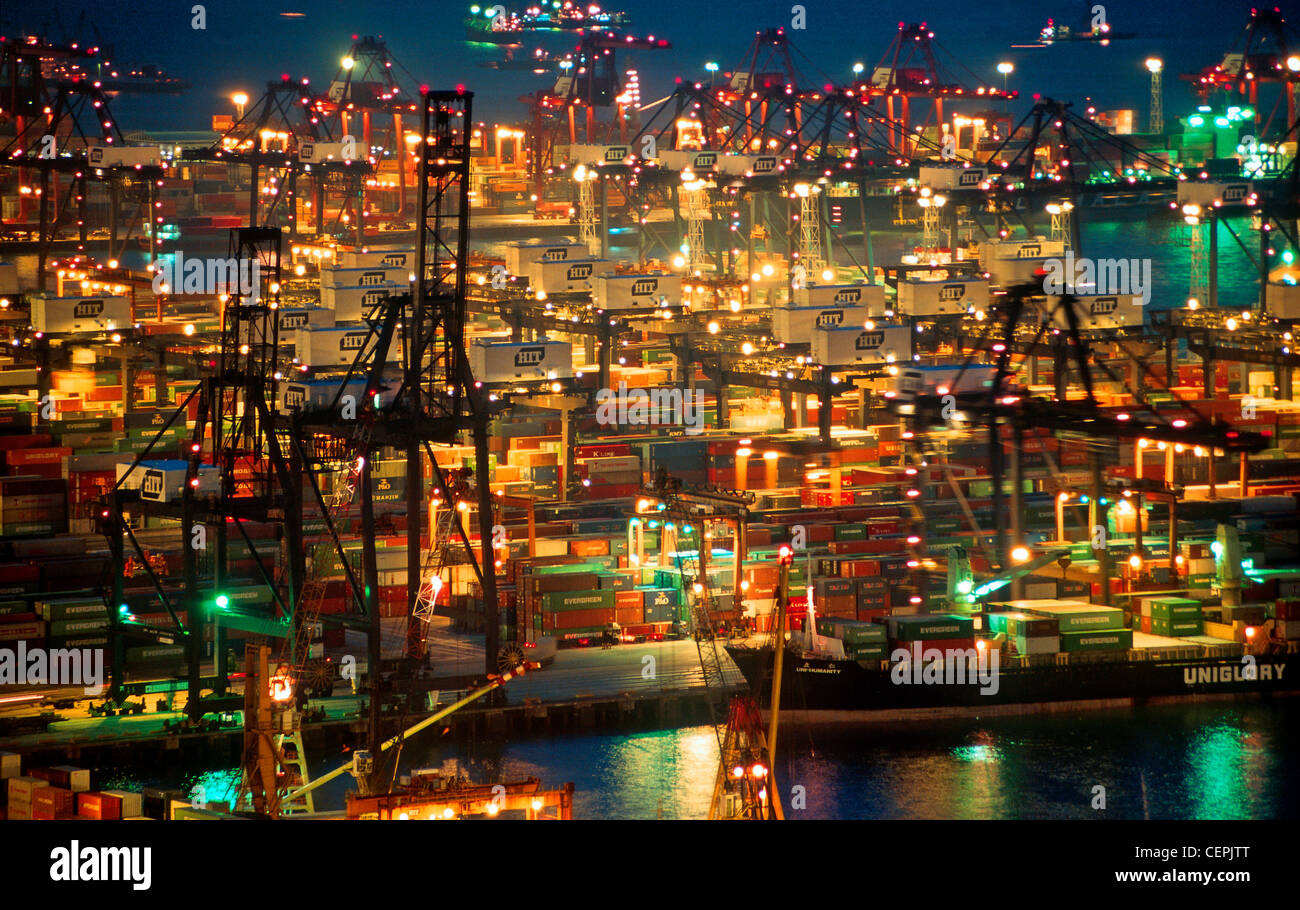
248, 42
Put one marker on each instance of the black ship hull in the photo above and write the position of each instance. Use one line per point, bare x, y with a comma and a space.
852, 690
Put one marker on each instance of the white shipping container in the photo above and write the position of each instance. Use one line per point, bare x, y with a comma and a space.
164, 481
794, 325
749, 165
336, 346
371, 275
1031, 248
917, 297
521, 256
80, 314
318, 394
560, 277
595, 155
508, 361
871, 296
631, 292
844, 346
1109, 312
300, 317
1007, 271
10, 765
1212, 192
952, 177
354, 303
125, 156
391, 258
1283, 300
132, 803
700, 162
606, 464
320, 152
24, 788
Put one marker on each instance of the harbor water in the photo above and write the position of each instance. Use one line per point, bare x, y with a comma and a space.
1210, 760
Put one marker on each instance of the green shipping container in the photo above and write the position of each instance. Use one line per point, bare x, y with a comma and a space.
922, 628
867, 652
1108, 640
1177, 628
578, 600
1188, 612
1084, 619
62, 628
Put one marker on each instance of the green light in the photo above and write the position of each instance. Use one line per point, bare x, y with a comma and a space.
1196, 120
222, 601
1217, 549
474, 10
124, 610
1287, 256
1247, 565
964, 587
1221, 122
1246, 113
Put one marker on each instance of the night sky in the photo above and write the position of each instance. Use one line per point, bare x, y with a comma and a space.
248, 42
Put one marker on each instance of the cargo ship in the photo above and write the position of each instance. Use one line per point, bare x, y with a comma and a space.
509, 27
916, 667
867, 690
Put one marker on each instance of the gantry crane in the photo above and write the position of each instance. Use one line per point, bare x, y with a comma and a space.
742, 787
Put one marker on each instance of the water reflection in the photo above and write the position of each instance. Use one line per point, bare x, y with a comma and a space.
1183, 761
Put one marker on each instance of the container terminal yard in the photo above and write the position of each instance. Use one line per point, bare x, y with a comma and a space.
775, 404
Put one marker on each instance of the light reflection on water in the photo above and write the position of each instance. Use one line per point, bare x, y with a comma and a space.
1210, 761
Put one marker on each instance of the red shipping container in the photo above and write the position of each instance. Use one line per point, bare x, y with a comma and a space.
20, 571
602, 450
624, 600
578, 619
625, 615
99, 806
873, 614
9, 619
1287, 610
26, 631
595, 547
104, 393
33, 440
334, 604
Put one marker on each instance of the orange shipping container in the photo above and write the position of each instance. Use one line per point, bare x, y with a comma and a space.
594, 547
